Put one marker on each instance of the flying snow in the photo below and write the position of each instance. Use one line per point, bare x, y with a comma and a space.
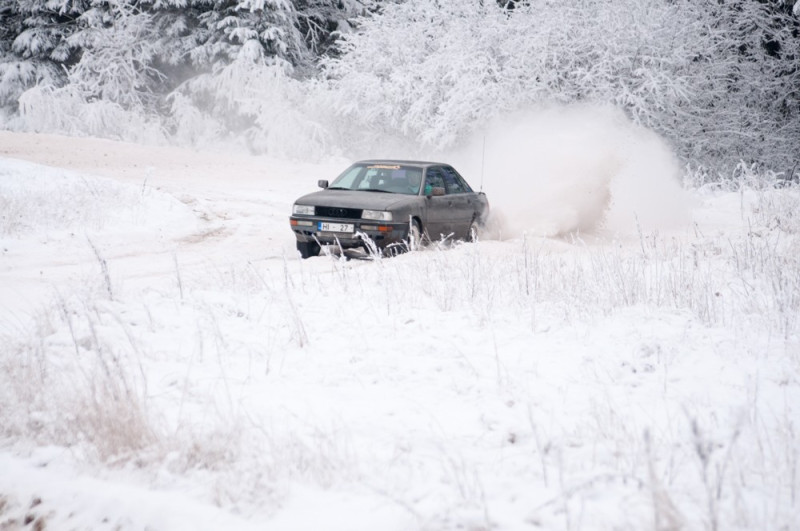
576, 169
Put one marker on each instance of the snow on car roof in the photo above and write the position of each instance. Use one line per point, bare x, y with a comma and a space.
419, 163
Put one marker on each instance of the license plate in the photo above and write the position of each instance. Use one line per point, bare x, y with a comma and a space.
335, 227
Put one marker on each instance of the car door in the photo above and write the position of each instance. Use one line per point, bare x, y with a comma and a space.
460, 202
439, 213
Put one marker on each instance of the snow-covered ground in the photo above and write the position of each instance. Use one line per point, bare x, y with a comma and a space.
168, 362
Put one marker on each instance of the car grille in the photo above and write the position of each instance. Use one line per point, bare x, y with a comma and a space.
337, 212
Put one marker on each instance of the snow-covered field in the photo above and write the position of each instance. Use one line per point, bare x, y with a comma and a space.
168, 362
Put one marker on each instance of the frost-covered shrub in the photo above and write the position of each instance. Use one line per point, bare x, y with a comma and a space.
17, 76
254, 98
67, 110
117, 59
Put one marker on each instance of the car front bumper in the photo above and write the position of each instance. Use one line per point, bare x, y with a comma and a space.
381, 232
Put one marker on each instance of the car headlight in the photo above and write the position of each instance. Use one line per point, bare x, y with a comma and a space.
305, 210
379, 215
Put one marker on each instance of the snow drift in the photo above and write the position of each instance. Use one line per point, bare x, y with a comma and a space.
37, 200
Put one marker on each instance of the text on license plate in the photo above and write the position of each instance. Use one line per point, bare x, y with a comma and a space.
335, 227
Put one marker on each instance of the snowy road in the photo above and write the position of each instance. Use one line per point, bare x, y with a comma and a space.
186, 209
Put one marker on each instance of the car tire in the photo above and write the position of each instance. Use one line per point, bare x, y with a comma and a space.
415, 236
472, 232
308, 249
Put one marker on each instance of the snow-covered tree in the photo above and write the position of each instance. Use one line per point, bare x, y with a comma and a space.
718, 78
33, 43
254, 99
256, 93
321, 22
699, 72
131, 54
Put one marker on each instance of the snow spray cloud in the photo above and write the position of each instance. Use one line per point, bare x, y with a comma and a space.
585, 169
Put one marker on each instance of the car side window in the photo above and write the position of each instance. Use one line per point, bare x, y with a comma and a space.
434, 178
465, 188
453, 182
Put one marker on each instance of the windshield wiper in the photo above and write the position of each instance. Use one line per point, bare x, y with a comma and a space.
337, 188
375, 190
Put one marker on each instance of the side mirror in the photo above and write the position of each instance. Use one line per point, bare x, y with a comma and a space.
322, 183
436, 191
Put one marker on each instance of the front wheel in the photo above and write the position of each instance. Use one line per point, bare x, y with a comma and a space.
308, 249
414, 236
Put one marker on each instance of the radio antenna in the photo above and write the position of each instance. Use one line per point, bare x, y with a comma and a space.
483, 159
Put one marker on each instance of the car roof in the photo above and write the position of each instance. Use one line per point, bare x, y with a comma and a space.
420, 163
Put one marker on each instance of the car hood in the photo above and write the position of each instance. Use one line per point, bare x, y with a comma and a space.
354, 199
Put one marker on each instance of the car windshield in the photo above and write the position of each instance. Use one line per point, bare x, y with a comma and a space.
387, 177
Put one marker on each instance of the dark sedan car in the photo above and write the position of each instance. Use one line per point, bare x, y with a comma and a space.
388, 204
